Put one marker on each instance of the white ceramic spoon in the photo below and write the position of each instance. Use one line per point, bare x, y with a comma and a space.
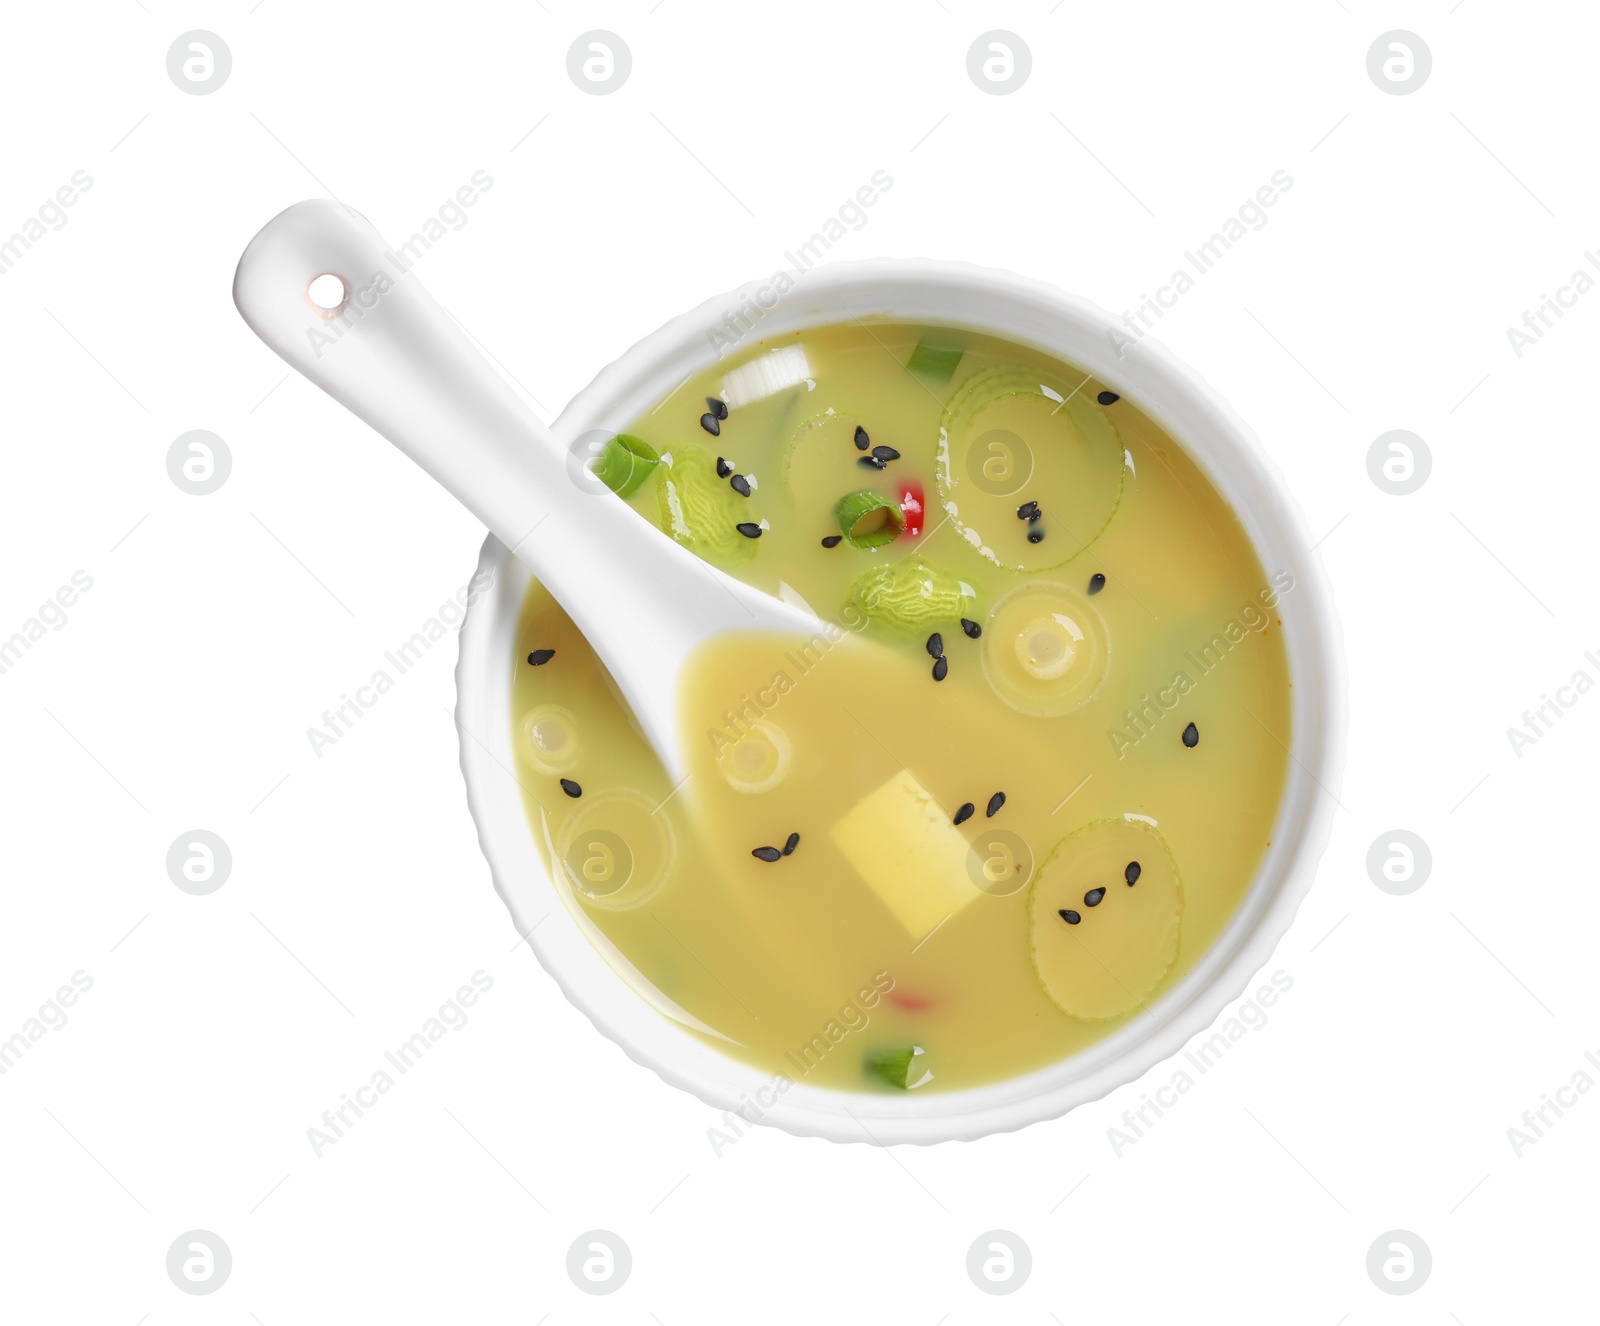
391, 355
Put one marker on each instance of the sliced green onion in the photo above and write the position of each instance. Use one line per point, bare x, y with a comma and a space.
625, 463
899, 1067
936, 358
868, 519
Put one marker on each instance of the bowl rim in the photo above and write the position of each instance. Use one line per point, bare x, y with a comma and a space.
595, 977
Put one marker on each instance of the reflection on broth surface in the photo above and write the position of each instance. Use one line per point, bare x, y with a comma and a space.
1011, 789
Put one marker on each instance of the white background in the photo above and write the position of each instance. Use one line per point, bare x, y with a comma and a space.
178, 693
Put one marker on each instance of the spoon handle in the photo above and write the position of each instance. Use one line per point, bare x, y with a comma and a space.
391, 355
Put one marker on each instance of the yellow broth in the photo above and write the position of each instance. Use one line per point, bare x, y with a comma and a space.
1140, 610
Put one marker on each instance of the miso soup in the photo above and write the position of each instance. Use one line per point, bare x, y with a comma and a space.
1011, 789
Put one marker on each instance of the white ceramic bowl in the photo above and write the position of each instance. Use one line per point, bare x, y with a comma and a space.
1076, 331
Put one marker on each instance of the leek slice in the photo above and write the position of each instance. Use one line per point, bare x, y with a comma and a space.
1012, 435
912, 596
699, 510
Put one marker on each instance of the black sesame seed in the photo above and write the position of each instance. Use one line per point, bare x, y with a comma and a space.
1097, 582
1092, 897
1108, 398
540, 657
740, 485
941, 668
871, 463
718, 408
710, 424
862, 440
792, 842
1069, 916
1028, 511
832, 540
1035, 536
885, 454
749, 529
724, 467
971, 627
1132, 873
571, 788
995, 802
766, 854
1191, 736
935, 645
965, 813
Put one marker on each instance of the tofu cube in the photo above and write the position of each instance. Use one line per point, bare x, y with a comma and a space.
903, 845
